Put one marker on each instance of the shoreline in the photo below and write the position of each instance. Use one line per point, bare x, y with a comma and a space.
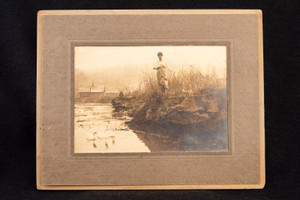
187, 122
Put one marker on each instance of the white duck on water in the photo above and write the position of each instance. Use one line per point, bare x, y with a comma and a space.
90, 135
109, 132
102, 135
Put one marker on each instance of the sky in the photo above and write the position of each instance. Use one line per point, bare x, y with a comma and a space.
93, 58
130, 61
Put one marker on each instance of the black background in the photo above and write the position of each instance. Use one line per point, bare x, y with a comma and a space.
18, 99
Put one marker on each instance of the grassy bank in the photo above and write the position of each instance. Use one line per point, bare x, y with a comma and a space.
193, 108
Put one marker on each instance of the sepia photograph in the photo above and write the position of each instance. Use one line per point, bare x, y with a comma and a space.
150, 99
173, 101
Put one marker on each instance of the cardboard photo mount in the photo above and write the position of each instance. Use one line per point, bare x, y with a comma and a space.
58, 168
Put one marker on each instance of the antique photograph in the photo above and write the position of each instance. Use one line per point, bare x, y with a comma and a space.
150, 99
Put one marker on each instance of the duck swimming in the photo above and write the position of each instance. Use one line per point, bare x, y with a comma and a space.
102, 135
90, 135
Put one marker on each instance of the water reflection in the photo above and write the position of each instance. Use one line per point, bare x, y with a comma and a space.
97, 131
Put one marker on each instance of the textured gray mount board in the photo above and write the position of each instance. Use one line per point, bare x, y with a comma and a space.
59, 169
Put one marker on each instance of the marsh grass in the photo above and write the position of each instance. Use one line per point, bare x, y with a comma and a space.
193, 110
188, 81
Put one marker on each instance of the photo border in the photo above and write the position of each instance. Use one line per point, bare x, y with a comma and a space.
155, 42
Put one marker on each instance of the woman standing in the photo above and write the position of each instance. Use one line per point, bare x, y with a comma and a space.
161, 68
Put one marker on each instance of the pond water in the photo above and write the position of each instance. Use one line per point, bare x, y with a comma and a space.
96, 130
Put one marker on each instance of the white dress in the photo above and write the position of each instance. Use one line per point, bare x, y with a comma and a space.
161, 68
